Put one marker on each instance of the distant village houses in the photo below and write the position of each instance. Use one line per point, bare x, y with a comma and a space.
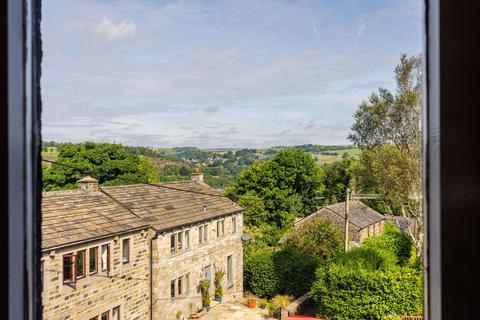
137, 251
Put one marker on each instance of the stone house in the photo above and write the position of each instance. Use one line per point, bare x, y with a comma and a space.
158, 241
363, 220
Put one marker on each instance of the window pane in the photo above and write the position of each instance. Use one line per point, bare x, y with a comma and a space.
200, 234
180, 241
172, 288
205, 233
187, 239
187, 282
234, 224
172, 243
218, 228
104, 316
116, 313
104, 257
125, 250
92, 260
222, 224
67, 269
80, 264
179, 285
229, 271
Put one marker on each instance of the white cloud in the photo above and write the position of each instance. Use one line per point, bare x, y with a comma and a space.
108, 30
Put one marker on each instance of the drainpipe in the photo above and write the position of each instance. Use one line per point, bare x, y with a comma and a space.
151, 274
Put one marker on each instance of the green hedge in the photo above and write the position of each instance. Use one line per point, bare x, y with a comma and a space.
267, 273
373, 281
345, 293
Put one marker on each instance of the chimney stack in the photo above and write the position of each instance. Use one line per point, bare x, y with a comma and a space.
197, 176
88, 183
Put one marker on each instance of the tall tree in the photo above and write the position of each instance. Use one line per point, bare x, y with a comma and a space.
388, 129
282, 188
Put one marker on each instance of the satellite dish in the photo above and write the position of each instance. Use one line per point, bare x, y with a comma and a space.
245, 237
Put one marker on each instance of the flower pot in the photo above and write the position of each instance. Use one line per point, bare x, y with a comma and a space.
251, 303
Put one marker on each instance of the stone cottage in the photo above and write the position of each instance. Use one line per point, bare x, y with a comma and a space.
95, 257
137, 251
363, 220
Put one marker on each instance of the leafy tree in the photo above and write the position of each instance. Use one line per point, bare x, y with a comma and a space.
109, 163
284, 187
184, 171
337, 177
388, 129
320, 238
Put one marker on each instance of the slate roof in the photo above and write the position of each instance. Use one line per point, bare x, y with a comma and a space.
360, 214
166, 208
76, 215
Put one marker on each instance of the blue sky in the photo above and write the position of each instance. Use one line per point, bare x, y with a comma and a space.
230, 73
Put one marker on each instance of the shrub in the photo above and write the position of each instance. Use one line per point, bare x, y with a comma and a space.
296, 271
205, 288
219, 274
371, 282
392, 240
345, 293
320, 238
260, 275
267, 273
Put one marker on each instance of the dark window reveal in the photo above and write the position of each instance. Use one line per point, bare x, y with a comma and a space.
93, 260
125, 251
68, 269
80, 264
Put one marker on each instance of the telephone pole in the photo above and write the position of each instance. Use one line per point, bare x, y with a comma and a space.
347, 211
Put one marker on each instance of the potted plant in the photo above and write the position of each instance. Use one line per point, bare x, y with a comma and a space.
263, 304
219, 274
251, 300
205, 290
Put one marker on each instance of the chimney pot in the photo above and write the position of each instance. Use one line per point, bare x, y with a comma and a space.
197, 176
88, 183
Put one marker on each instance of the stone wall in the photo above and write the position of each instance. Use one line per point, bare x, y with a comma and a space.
169, 266
126, 285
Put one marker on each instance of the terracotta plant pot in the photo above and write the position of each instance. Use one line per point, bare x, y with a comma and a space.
252, 303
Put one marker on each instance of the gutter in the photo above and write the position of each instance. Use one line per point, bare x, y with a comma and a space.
178, 226
95, 238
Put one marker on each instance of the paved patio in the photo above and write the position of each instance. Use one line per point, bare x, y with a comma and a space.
234, 311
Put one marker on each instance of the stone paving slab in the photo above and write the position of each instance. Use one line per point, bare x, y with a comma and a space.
235, 311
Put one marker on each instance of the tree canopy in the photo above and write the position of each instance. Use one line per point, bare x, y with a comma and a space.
111, 164
276, 191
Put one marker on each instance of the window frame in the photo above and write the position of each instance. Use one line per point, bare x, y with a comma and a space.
173, 289
230, 280
186, 239
234, 224
200, 234
187, 283
96, 260
72, 280
107, 313
84, 269
119, 312
107, 267
128, 251
180, 285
